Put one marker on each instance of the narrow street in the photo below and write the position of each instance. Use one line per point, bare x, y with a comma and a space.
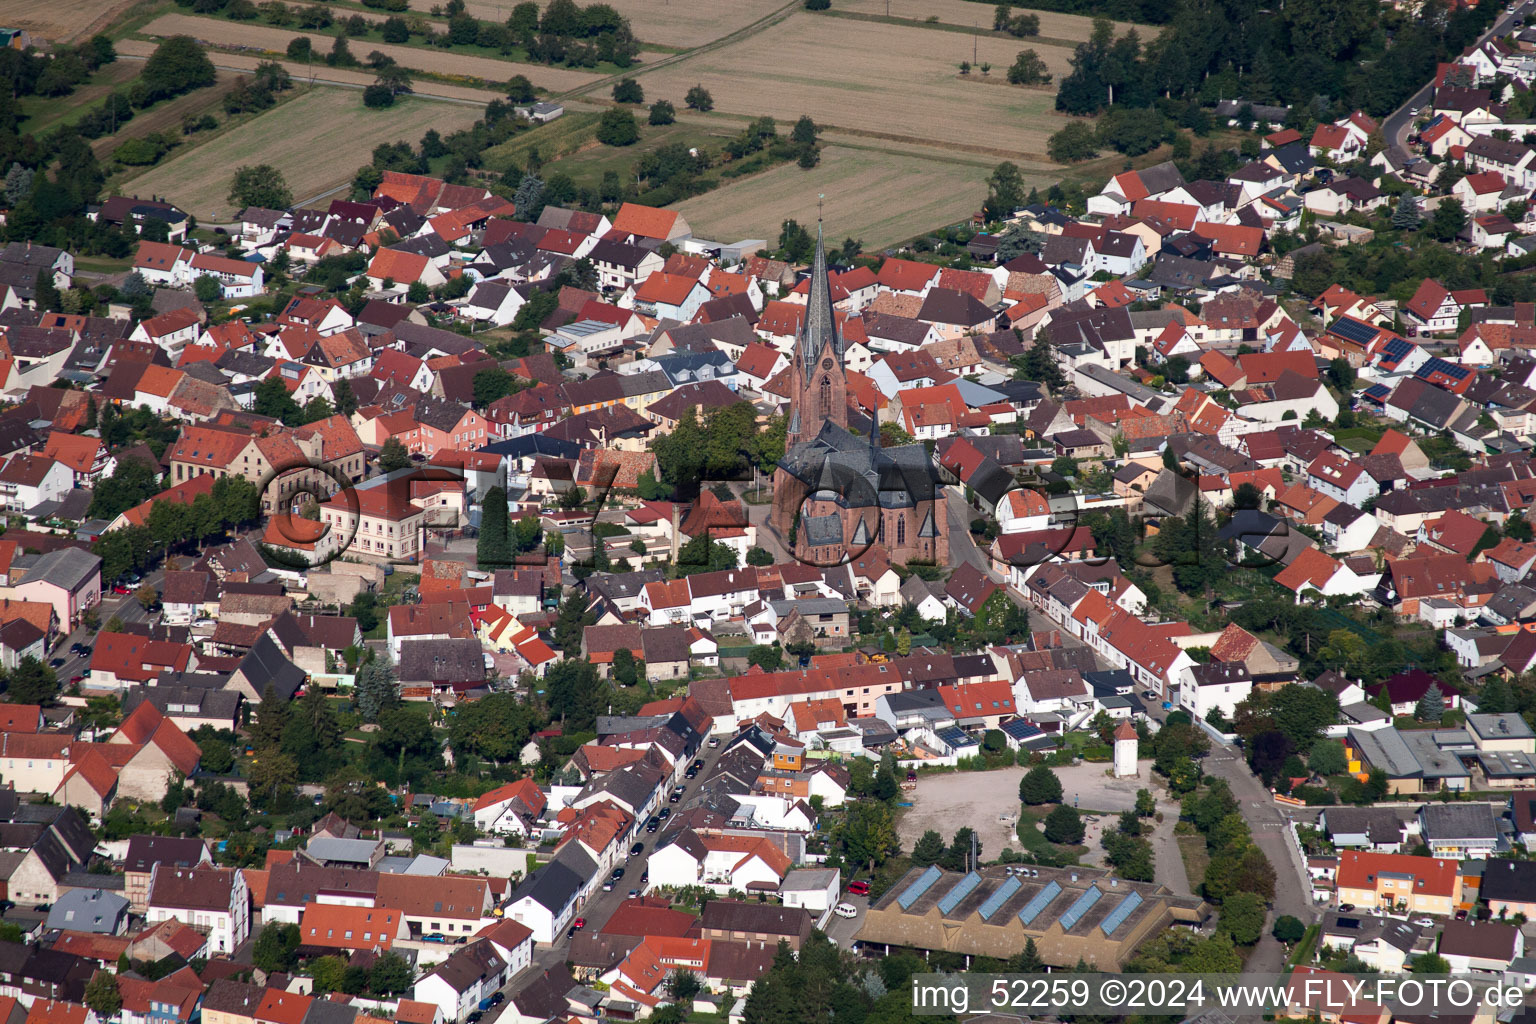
1269, 824
601, 905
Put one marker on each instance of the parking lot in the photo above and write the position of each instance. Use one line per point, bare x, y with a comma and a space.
947, 802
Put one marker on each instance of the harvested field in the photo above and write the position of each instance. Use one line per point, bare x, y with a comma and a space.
323, 74
318, 141
671, 23
1053, 25
902, 82
879, 196
227, 33
58, 20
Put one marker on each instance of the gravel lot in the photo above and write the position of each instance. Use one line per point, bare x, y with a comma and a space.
947, 802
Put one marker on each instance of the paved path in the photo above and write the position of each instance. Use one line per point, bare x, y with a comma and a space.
1167, 860
1268, 823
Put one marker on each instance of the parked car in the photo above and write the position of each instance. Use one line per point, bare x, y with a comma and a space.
618, 873
697, 766
859, 888
633, 893
714, 741
608, 886
1345, 908
664, 814
498, 998
579, 923
645, 876
846, 910
637, 849
1425, 922
1461, 915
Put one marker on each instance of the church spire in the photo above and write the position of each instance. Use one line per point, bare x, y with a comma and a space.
819, 327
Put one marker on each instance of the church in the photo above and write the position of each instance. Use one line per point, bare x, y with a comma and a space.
835, 494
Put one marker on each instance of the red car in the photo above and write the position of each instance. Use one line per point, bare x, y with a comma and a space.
76, 679
118, 588
579, 923
858, 888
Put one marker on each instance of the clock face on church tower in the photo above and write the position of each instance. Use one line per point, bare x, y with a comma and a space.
826, 364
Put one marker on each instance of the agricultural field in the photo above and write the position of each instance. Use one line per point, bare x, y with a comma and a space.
61, 20
1073, 28
899, 83
570, 146
318, 141
689, 23
301, 72
443, 62
168, 115
880, 196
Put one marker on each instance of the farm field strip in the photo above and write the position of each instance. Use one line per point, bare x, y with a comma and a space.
1053, 24
57, 19
138, 49
443, 62
318, 141
880, 197
885, 79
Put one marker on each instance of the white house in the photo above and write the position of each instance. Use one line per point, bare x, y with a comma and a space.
547, 901
719, 862
1341, 479
1217, 685
457, 985
27, 481
1023, 511
237, 279
496, 301
214, 901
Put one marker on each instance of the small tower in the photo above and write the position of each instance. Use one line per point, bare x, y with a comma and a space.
1126, 743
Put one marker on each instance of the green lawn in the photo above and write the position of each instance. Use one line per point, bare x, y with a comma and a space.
554, 140
569, 146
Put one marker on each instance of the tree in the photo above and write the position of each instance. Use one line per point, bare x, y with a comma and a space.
1039, 363
18, 184
759, 556
1146, 804
627, 90
573, 689
1327, 758
207, 288
1040, 786
928, 849
1029, 69
1005, 191
260, 185
341, 54
393, 456
699, 99
1429, 963
804, 132
375, 689
1314, 272
1242, 917
617, 127
494, 545
389, 975
662, 112
1432, 705
1064, 825
102, 996
1448, 220
300, 48
1288, 929
32, 682
1495, 697
519, 88
683, 985
1407, 216
867, 833
176, 66
276, 948
378, 97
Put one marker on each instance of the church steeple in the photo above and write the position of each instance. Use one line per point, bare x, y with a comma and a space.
819, 327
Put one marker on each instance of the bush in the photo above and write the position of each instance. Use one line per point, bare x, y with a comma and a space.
377, 96
699, 99
817, 5
1064, 825
1288, 929
618, 128
1039, 786
627, 90
662, 112
300, 48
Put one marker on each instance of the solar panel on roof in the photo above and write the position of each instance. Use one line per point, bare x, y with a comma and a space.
1001, 895
1117, 916
962, 889
1378, 391
1041, 900
1353, 330
1398, 347
1084, 904
924, 882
